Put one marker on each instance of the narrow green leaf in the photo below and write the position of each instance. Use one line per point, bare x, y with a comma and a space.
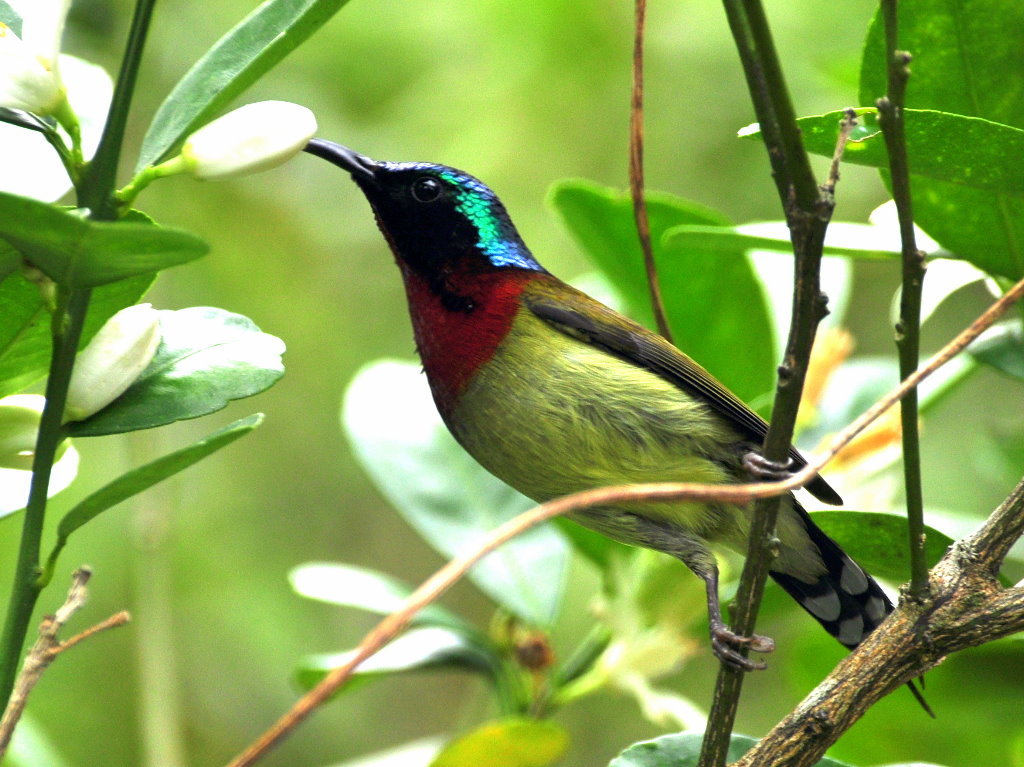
683, 750
965, 63
207, 358
25, 325
713, 302
508, 742
963, 150
364, 589
448, 498
879, 541
1002, 347
144, 477
236, 61
422, 649
78, 253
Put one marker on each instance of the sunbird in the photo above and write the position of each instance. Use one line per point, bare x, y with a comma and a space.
553, 392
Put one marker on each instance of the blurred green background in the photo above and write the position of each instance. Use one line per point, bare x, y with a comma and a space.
519, 94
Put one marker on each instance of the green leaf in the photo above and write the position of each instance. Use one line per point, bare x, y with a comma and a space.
364, 589
236, 61
1002, 347
444, 494
207, 358
10, 17
25, 325
712, 302
508, 742
963, 150
422, 649
878, 541
964, 63
733, 240
144, 477
78, 253
683, 750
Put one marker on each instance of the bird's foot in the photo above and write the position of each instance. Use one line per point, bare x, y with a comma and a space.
724, 643
760, 468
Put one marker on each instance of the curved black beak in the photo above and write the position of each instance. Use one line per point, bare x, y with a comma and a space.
360, 166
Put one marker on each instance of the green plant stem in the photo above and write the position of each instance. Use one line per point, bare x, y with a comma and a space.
95, 193
807, 209
67, 327
908, 329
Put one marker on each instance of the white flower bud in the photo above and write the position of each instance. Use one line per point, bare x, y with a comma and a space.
112, 360
29, 79
249, 139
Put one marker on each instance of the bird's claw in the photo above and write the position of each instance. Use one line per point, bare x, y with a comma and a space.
762, 469
724, 642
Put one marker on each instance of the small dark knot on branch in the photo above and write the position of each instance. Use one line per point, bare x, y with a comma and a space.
819, 723
821, 306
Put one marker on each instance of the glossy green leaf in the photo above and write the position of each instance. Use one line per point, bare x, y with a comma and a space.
1002, 347
683, 750
507, 742
236, 61
421, 649
25, 325
364, 589
207, 358
449, 499
879, 541
964, 63
137, 480
712, 301
79, 253
967, 151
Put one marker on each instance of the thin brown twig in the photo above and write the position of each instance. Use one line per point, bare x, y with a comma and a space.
47, 648
846, 126
636, 173
431, 589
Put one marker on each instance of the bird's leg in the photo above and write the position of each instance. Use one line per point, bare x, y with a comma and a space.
724, 641
760, 468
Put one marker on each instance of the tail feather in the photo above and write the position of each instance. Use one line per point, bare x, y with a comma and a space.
846, 600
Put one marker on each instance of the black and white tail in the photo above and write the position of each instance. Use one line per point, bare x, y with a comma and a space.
846, 601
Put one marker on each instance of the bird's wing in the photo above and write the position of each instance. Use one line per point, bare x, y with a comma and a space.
605, 328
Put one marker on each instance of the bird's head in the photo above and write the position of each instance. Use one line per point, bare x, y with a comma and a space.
436, 219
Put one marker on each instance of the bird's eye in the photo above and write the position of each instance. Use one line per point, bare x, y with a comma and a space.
426, 189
